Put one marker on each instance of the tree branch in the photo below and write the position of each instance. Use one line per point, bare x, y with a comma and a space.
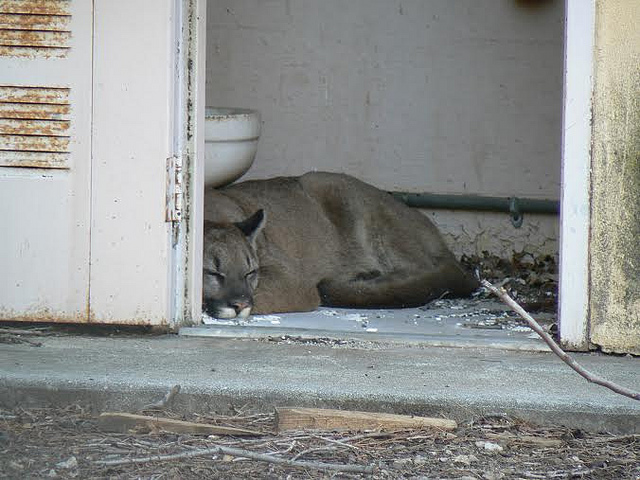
237, 452
502, 294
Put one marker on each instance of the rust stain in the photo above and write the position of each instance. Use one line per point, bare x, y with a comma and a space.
29, 38
34, 94
34, 126
140, 320
55, 160
49, 316
32, 143
39, 111
34, 28
41, 7
32, 52
34, 22
50, 128
42, 315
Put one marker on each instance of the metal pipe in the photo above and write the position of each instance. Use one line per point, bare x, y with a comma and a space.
515, 206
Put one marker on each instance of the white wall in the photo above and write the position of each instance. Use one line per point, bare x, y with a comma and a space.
417, 95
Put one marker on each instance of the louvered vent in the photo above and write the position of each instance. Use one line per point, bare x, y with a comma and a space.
34, 127
35, 28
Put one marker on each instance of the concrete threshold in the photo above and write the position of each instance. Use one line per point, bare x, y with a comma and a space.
444, 323
126, 372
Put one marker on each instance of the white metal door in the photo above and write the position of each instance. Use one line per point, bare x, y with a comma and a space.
148, 84
45, 159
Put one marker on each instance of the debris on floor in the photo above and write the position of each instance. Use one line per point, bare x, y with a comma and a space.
481, 320
69, 443
531, 280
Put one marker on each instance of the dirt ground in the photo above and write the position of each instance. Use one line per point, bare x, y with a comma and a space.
69, 443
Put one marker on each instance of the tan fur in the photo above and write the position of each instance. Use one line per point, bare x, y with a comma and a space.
327, 239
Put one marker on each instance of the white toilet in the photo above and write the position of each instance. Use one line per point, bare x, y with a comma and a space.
231, 140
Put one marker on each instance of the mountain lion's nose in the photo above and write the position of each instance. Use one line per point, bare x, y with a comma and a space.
240, 305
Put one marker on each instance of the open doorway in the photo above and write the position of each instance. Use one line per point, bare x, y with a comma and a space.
457, 100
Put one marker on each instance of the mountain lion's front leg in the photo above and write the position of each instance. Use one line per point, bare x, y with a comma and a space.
280, 291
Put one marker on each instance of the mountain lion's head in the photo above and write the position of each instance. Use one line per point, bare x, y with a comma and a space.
230, 267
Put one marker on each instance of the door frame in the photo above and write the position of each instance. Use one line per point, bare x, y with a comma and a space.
575, 211
187, 235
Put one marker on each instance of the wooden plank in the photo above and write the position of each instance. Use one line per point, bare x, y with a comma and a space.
125, 422
526, 439
324, 419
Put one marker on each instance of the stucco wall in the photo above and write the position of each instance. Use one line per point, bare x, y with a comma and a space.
472, 233
415, 95
615, 215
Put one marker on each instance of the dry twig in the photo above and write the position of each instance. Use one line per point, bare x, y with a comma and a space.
237, 452
504, 296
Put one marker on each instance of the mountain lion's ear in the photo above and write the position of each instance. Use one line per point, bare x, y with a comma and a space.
252, 226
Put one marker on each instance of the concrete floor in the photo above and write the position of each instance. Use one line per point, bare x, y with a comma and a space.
475, 377
453, 323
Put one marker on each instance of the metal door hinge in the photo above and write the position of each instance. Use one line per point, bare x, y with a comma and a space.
174, 189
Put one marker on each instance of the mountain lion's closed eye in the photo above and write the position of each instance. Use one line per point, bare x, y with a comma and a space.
293, 243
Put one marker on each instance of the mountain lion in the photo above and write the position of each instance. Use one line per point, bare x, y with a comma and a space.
294, 243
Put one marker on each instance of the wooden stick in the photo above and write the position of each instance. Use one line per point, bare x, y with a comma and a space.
237, 452
317, 418
336, 442
515, 306
343, 442
621, 438
124, 422
526, 439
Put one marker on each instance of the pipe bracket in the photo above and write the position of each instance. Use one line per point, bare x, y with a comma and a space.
517, 217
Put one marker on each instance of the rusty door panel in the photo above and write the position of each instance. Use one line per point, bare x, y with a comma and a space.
43, 7
35, 111
34, 94
45, 125
32, 52
34, 28
34, 159
56, 23
22, 38
31, 143
53, 128
34, 126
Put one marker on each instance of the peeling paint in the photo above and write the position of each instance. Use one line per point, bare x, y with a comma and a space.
472, 233
34, 126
